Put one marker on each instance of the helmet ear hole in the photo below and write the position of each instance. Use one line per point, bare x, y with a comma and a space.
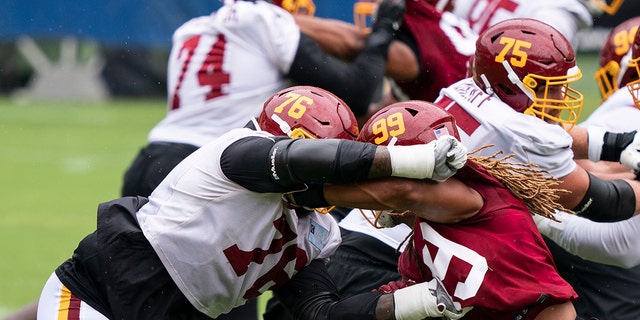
507, 90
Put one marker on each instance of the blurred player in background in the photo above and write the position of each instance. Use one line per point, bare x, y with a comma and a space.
566, 16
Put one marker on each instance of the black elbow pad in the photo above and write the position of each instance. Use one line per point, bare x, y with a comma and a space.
607, 200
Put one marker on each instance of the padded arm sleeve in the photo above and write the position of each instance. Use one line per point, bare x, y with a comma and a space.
610, 243
354, 82
607, 200
320, 160
311, 294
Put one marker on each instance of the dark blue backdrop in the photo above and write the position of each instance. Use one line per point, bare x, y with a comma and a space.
147, 23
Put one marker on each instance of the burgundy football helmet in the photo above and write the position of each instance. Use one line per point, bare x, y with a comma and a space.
634, 63
308, 112
408, 123
523, 62
404, 123
613, 71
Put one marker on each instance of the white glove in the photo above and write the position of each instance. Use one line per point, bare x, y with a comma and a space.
451, 155
426, 300
437, 160
630, 156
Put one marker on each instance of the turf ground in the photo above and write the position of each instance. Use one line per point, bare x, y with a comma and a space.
58, 160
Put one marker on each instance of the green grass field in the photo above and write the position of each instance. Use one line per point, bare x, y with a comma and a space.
59, 160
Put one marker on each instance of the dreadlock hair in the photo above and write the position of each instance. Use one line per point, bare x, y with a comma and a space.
526, 181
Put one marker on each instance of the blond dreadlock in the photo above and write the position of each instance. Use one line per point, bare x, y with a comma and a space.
526, 181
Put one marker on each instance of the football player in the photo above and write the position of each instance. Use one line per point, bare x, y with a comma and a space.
216, 232
474, 231
520, 99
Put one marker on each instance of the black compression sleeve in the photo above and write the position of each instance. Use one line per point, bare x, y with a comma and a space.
246, 162
311, 294
355, 82
607, 200
614, 143
321, 160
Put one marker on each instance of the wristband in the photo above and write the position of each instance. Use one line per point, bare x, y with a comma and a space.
417, 161
596, 142
415, 302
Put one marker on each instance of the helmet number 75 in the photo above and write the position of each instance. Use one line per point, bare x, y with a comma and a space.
299, 105
519, 57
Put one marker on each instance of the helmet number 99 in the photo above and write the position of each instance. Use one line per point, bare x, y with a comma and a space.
393, 126
298, 104
519, 57
624, 39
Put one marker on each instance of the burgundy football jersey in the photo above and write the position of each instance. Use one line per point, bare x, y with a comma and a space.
495, 261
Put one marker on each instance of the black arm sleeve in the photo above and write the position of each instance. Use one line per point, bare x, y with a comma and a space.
607, 200
246, 162
614, 143
311, 294
321, 160
354, 82
281, 164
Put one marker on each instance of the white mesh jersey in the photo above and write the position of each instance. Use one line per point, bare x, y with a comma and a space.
617, 114
483, 119
223, 244
567, 16
223, 67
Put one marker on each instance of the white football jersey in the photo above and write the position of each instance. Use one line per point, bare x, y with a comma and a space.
483, 119
223, 67
223, 244
617, 114
567, 16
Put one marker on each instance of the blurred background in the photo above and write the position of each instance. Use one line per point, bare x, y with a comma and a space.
81, 85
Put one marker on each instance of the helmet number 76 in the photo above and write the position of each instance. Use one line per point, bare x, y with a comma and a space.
298, 104
518, 57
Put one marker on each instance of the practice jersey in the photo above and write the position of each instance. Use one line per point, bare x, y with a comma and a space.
223, 244
444, 43
567, 16
223, 67
483, 119
495, 261
617, 114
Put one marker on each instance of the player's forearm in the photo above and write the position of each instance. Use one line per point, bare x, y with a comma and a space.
335, 37
610, 243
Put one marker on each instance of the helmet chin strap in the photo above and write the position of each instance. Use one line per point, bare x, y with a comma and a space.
513, 77
284, 126
624, 66
487, 84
